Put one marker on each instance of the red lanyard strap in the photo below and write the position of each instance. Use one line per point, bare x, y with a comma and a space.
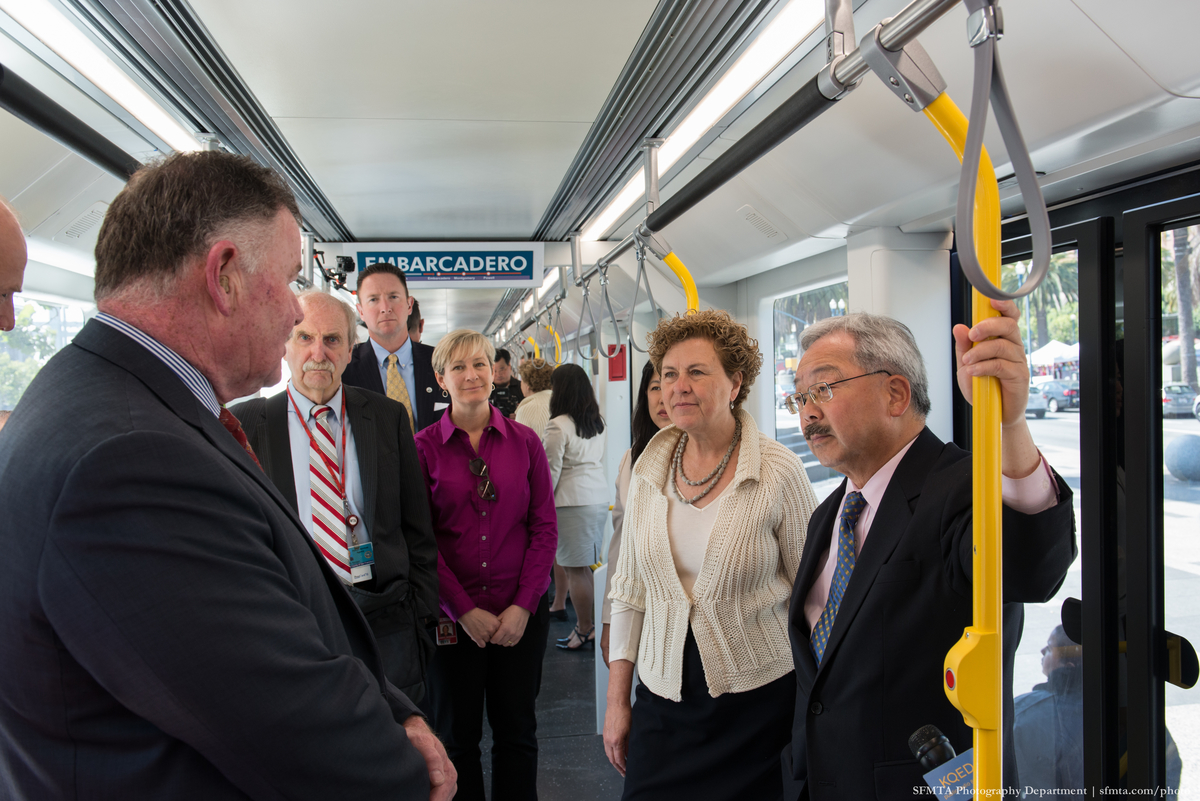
334, 470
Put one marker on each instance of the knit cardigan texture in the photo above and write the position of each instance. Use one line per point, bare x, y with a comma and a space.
739, 606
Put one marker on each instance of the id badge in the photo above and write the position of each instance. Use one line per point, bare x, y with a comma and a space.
361, 558
447, 632
361, 555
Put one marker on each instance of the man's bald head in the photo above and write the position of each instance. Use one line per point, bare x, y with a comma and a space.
12, 264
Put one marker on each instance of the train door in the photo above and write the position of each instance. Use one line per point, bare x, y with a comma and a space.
1138, 518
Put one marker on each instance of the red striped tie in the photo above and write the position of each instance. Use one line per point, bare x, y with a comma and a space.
329, 521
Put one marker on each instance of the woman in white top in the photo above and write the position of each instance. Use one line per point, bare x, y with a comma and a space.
534, 411
576, 452
649, 417
713, 534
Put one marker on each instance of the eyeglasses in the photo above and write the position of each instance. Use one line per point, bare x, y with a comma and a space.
820, 393
485, 488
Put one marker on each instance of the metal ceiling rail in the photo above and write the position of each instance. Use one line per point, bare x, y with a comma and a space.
808, 103
685, 45
164, 42
28, 104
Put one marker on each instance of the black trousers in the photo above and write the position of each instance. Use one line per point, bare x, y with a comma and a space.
720, 749
464, 679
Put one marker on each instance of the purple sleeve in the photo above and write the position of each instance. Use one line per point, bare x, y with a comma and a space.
454, 599
543, 530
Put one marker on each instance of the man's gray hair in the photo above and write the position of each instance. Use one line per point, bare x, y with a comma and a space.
317, 296
880, 343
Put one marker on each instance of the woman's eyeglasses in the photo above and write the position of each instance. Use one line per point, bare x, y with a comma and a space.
485, 487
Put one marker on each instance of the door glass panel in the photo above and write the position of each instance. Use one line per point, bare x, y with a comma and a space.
1048, 670
1181, 490
794, 313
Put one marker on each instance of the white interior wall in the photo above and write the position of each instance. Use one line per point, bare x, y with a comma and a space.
907, 277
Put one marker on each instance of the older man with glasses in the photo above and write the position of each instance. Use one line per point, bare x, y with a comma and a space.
872, 616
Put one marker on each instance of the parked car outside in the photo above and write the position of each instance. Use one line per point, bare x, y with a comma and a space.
785, 384
1073, 394
1037, 402
1196, 407
1057, 396
1178, 400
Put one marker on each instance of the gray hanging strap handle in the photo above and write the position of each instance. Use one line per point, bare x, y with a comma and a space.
637, 285
587, 306
984, 27
607, 304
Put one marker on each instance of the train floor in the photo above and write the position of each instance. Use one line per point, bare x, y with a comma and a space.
571, 761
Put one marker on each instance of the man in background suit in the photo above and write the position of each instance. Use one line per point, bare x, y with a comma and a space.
374, 485
390, 363
167, 628
506, 387
872, 617
416, 323
12, 264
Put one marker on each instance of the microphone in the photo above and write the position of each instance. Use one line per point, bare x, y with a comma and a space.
944, 769
930, 747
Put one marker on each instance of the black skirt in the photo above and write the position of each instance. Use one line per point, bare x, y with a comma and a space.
726, 747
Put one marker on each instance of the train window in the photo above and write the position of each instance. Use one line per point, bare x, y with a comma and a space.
794, 313
1048, 670
1180, 277
42, 328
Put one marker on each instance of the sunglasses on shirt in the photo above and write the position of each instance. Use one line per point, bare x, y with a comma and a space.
485, 488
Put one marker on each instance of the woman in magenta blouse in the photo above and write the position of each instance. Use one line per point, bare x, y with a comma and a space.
493, 514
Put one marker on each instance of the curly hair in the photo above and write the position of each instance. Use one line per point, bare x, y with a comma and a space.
536, 373
736, 349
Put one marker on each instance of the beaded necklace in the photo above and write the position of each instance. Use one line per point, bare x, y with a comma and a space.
712, 479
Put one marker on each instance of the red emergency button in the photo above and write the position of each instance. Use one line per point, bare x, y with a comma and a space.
950, 678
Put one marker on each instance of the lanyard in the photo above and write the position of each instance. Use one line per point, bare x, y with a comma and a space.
338, 475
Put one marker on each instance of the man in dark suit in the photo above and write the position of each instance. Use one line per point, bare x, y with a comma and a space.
390, 363
376, 474
872, 617
506, 388
167, 628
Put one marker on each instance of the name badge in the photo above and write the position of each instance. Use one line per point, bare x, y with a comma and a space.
447, 632
361, 555
360, 573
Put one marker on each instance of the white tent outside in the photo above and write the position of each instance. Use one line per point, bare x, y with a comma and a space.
1054, 352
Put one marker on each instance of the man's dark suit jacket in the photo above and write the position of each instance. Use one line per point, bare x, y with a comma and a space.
363, 371
167, 628
404, 591
907, 603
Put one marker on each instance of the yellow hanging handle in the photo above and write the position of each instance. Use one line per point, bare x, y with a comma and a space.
973, 669
537, 352
557, 345
685, 278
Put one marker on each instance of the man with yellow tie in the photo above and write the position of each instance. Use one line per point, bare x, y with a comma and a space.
390, 363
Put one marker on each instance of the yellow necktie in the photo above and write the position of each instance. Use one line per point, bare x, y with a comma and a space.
397, 390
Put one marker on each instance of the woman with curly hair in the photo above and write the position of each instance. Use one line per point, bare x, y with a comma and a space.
534, 411
713, 534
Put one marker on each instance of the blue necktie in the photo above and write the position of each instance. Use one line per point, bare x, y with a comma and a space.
852, 508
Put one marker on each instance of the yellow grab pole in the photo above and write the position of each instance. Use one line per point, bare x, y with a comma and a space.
537, 352
973, 668
557, 345
685, 278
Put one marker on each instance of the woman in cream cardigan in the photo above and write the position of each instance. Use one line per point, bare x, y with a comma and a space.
714, 529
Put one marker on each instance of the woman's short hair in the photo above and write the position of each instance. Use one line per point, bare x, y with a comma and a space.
573, 395
736, 349
458, 342
880, 343
536, 373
